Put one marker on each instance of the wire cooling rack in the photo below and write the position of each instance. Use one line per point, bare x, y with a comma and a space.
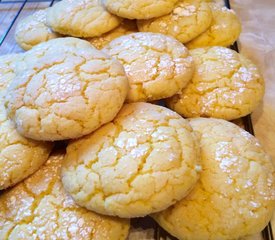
16, 9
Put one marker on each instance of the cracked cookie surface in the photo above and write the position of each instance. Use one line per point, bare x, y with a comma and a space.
140, 163
39, 208
222, 86
58, 45
126, 27
224, 30
19, 157
188, 19
66, 93
33, 30
142, 9
157, 66
235, 195
7, 71
81, 18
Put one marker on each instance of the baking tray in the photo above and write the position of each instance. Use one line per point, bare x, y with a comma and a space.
12, 11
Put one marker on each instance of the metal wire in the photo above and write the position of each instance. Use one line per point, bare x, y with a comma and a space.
23, 3
146, 222
12, 22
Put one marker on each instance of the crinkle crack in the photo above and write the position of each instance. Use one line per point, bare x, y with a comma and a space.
128, 169
40, 208
236, 172
66, 95
156, 65
221, 87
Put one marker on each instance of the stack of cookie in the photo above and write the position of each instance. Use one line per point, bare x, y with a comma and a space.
126, 156
196, 23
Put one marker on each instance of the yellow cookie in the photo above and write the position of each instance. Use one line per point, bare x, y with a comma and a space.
224, 30
141, 9
57, 45
126, 27
19, 157
33, 30
7, 71
225, 85
81, 18
235, 195
188, 20
142, 162
39, 208
157, 66
66, 93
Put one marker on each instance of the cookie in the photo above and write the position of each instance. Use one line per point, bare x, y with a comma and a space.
126, 27
189, 19
33, 30
66, 93
19, 156
224, 30
39, 208
58, 45
142, 162
235, 195
82, 18
142, 9
157, 66
222, 86
7, 71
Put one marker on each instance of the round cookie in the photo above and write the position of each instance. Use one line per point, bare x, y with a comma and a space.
235, 195
19, 157
39, 208
142, 9
33, 30
58, 45
142, 162
224, 30
7, 71
66, 93
81, 18
222, 86
126, 27
189, 19
157, 66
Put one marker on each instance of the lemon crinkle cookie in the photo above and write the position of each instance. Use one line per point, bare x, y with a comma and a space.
19, 156
222, 86
142, 9
82, 18
157, 66
224, 30
235, 195
126, 27
66, 93
39, 208
33, 30
188, 19
57, 45
142, 162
